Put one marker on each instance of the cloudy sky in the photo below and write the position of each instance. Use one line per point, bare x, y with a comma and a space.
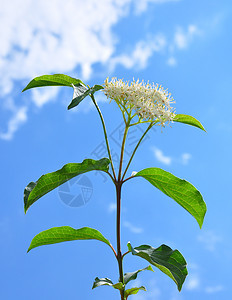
184, 45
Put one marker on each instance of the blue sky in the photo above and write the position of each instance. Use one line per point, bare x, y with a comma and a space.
183, 45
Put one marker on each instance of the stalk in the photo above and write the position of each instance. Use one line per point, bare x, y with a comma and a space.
118, 185
136, 147
105, 134
119, 253
122, 149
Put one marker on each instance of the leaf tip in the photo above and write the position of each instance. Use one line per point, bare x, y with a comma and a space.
203, 217
29, 249
202, 128
94, 286
26, 208
129, 246
200, 224
150, 268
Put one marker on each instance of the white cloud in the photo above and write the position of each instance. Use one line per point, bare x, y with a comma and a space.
145, 49
172, 61
192, 282
161, 157
140, 55
42, 96
167, 160
46, 37
209, 239
141, 6
132, 228
112, 207
214, 289
182, 38
185, 157
19, 117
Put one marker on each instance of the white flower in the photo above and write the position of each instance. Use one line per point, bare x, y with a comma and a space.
150, 102
134, 173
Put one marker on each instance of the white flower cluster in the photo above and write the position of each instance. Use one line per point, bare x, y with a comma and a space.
149, 101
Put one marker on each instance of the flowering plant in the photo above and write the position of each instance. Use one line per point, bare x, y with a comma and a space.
139, 102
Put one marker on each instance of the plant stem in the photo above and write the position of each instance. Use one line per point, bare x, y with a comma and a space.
113, 250
118, 185
122, 149
111, 176
125, 253
105, 134
119, 253
136, 147
128, 178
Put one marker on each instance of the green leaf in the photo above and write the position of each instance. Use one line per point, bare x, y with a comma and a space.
183, 192
133, 275
50, 181
171, 262
188, 120
106, 281
133, 291
53, 80
80, 97
65, 233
